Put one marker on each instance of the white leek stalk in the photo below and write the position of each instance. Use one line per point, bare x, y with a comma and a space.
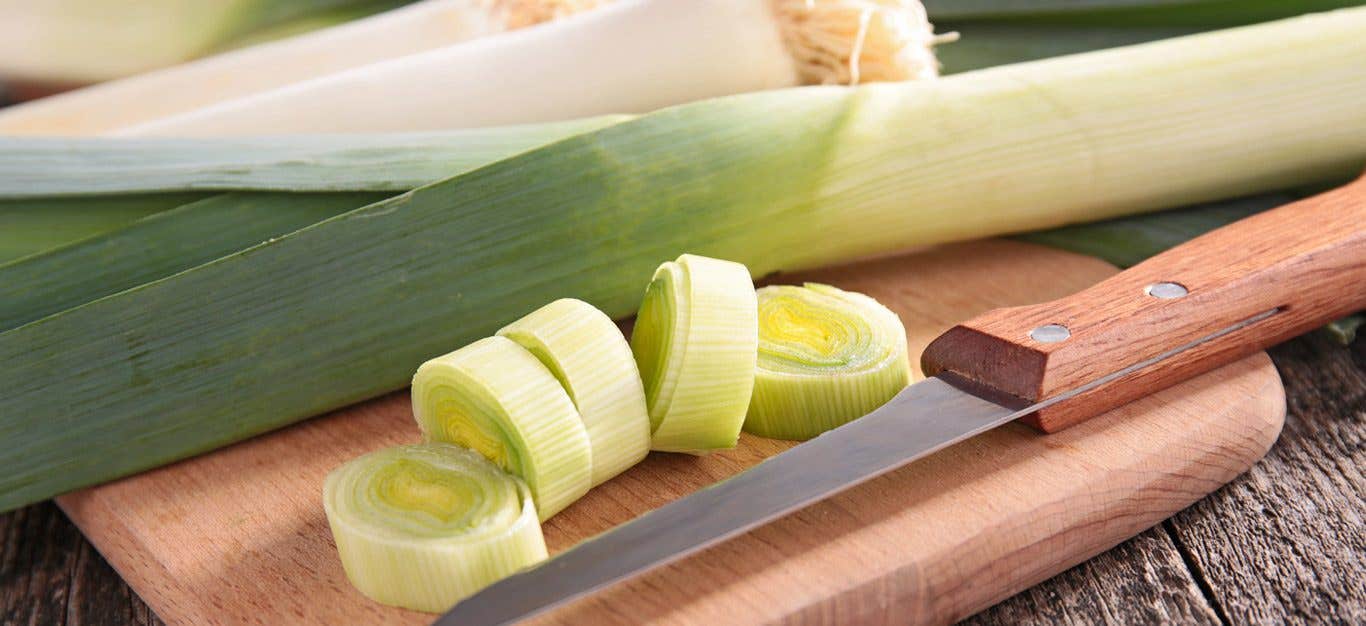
586, 351
495, 398
420, 27
826, 357
423, 526
633, 56
695, 342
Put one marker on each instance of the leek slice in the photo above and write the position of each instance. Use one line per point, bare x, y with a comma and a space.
695, 341
495, 398
422, 526
586, 351
826, 357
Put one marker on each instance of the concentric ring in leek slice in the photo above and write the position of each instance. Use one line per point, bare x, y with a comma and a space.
495, 398
695, 341
425, 525
586, 351
826, 357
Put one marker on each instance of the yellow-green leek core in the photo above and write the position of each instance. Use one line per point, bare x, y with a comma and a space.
496, 398
826, 357
586, 351
695, 341
425, 525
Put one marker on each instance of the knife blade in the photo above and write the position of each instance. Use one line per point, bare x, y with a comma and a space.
1203, 304
922, 419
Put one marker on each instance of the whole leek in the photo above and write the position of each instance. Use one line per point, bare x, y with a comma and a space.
423, 526
186, 87
826, 357
341, 310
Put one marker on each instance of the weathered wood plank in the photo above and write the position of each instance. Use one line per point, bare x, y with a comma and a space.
49, 574
1142, 581
1286, 543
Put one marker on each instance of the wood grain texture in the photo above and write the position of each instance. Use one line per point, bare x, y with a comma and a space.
1305, 260
1287, 544
238, 536
1143, 581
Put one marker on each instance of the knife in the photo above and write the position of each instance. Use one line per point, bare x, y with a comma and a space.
1203, 304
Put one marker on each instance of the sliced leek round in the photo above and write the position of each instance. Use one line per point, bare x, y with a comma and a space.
586, 351
826, 357
495, 398
425, 525
695, 341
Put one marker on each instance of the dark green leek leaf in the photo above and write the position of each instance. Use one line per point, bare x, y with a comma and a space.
30, 226
156, 247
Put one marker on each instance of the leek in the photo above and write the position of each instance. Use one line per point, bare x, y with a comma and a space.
58, 167
341, 310
495, 398
420, 27
34, 225
632, 56
423, 526
695, 340
826, 357
586, 352
83, 41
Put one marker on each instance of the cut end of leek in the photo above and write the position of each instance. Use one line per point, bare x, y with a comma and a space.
586, 351
695, 341
423, 526
495, 398
826, 357
847, 42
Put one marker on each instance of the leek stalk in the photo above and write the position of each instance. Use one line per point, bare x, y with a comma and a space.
632, 56
413, 29
695, 341
496, 398
826, 357
423, 526
586, 352
341, 310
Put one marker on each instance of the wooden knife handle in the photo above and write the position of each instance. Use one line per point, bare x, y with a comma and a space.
1305, 261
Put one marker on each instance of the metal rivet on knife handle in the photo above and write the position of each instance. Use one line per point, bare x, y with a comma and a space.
1050, 333
1166, 290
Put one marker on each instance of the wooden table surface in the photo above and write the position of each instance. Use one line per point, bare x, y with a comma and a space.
1285, 543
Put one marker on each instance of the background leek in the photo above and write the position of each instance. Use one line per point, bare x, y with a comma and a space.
276, 333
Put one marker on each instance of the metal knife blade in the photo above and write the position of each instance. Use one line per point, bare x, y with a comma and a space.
925, 417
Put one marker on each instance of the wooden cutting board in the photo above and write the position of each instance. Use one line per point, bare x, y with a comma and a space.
239, 537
